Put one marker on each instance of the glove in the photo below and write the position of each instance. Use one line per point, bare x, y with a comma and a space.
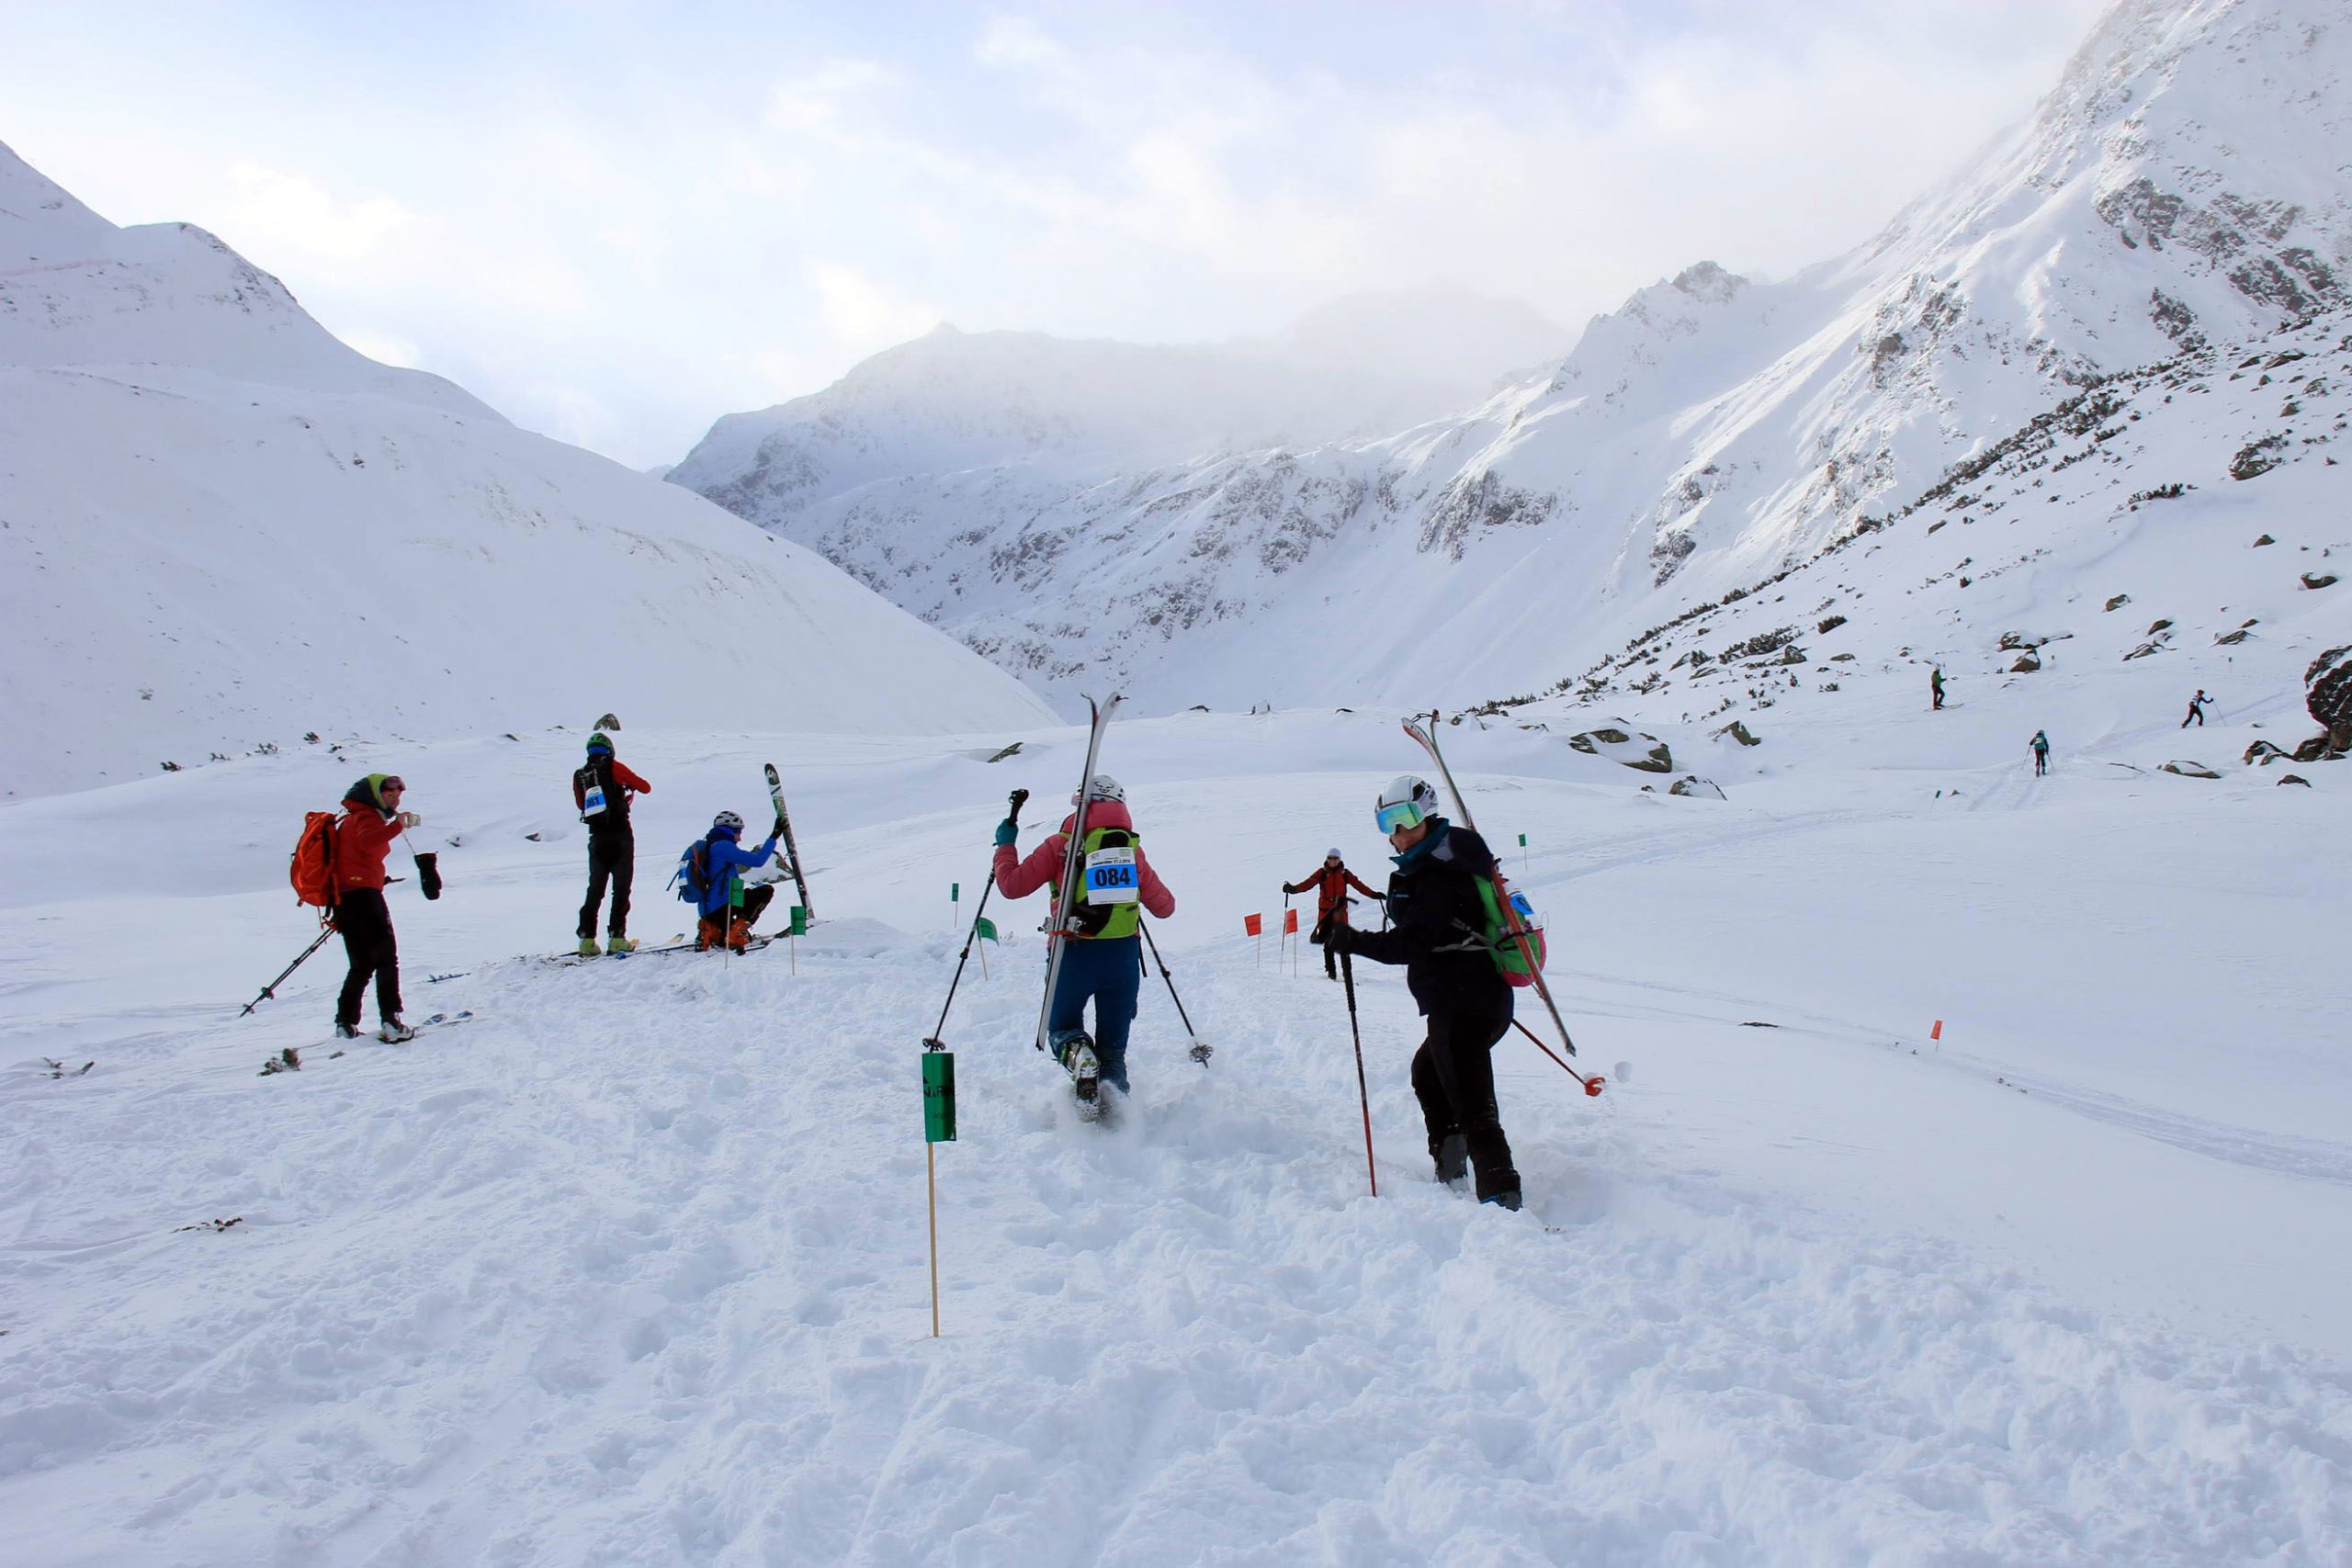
1288, 890
1338, 939
411, 819
1007, 831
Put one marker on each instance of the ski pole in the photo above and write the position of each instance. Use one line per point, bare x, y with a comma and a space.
1592, 1085
1200, 1051
269, 992
1020, 796
1364, 1095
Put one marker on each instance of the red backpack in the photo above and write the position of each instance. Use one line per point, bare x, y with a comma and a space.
313, 871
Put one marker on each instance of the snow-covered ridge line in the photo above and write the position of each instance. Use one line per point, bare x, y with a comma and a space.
226, 531
2172, 192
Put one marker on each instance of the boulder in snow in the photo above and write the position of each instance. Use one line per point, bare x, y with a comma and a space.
1646, 753
2189, 769
1737, 730
2327, 695
1691, 785
2319, 579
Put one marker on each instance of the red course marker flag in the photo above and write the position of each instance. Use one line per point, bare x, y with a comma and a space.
1938, 1032
1253, 925
1290, 921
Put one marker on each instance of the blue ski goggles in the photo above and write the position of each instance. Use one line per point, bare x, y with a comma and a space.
1404, 814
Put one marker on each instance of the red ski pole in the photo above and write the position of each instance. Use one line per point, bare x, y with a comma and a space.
1592, 1085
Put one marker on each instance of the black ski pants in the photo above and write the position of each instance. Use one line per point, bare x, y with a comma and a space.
612, 857
366, 926
1453, 1076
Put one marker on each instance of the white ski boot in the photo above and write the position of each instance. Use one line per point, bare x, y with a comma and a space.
1077, 1055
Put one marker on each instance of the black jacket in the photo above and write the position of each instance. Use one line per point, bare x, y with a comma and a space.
1433, 910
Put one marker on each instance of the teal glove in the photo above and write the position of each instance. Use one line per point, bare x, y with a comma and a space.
1006, 832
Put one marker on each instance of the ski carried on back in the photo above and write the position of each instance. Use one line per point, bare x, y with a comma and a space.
1078, 1055
791, 849
1522, 936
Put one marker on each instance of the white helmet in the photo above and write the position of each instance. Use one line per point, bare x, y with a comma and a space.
1406, 802
1333, 854
1102, 787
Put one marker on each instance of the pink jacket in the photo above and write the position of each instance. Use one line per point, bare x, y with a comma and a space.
1018, 878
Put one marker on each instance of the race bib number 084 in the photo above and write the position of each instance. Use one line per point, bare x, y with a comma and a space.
1110, 876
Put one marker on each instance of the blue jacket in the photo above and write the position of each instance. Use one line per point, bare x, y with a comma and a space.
728, 859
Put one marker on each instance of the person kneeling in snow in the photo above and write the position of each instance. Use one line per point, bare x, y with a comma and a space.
1437, 921
726, 917
372, 819
1102, 956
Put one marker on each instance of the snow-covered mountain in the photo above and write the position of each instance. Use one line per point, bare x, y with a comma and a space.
2179, 196
225, 530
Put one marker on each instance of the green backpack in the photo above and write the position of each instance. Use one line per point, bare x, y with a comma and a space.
1509, 956
1108, 883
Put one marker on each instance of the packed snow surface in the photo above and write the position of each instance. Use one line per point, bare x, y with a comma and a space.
629, 1266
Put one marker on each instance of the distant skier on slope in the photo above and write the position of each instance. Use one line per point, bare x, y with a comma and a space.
1333, 878
1104, 959
2196, 709
718, 860
601, 788
1936, 686
372, 819
2040, 744
1438, 930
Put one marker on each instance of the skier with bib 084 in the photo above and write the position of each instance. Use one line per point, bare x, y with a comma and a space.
1103, 960
1330, 883
601, 788
1438, 930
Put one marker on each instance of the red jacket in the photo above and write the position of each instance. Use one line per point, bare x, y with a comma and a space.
1333, 897
1018, 878
362, 837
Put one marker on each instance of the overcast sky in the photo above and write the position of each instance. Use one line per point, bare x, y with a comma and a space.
615, 221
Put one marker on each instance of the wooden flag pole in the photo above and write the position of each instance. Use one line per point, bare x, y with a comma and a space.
930, 1195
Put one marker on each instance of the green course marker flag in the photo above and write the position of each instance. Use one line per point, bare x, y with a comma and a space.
1523, 840
938, 1127
985, 928
939, 1096
799, 921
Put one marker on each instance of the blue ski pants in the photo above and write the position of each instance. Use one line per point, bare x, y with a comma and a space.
1110, 970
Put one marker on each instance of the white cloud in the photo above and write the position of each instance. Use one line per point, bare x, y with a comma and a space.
626, 238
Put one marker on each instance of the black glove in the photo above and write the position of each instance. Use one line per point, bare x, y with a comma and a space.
1288, 890
1339, 938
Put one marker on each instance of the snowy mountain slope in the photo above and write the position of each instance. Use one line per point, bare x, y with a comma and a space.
632, 1264
224, 530
951, 401
2177, 192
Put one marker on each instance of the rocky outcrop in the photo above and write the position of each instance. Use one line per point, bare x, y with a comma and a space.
2327, 695
1645, 753
1737, 730
2189, 769
1692, 786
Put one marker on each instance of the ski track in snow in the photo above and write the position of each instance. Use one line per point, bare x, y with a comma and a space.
556, 1288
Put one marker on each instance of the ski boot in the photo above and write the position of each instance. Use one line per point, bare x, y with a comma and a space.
738, 934
394, 1031
619, 946
346, 1030
1504, 1199
587, 947
1075, 1054
708, 933
1452, 1158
